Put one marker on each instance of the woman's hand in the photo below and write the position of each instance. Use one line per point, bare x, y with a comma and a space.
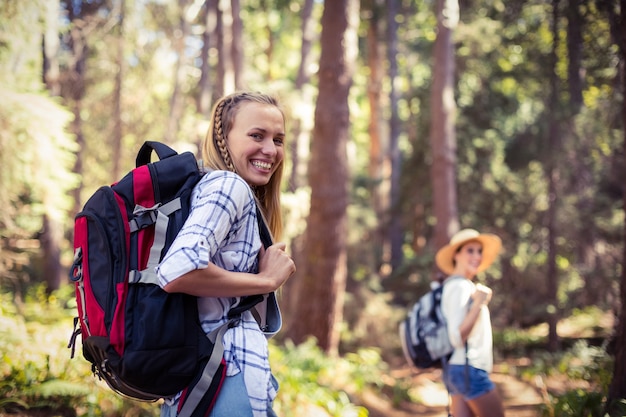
482, 295
275, 264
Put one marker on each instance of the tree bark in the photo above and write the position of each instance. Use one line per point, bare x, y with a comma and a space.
617, 388
442, 134
237, 45
574, 49
225, 51
220, 45
395, 234
553, 141
51, 45
203, 98
177, 100
117, 96
301, 130
378, 168
325, 258
51, 236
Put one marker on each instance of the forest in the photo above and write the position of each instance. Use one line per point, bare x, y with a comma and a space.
407, 120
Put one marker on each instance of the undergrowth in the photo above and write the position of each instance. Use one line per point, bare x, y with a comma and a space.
38, 377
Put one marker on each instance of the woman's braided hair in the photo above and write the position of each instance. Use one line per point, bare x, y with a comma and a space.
219, 137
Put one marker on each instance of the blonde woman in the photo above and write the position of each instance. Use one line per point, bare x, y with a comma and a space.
464, 305
218, 257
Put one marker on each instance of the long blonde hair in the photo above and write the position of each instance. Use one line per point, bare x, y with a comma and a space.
216, 155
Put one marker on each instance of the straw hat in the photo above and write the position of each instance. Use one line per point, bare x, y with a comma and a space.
491, 247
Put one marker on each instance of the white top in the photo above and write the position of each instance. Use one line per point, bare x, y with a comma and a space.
455, 303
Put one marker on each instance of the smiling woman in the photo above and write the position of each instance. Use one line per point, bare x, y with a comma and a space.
218, 257
464, 305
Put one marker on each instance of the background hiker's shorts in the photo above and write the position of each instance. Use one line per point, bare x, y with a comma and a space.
467, 381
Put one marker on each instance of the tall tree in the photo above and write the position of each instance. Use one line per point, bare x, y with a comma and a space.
442, 132
552, 172
73, 89
117, 91
177, 99
237, 45
203, 97
325, 253
378, 166
395, 235
225, 47
617, 388
301, 130
51, 45
52, 230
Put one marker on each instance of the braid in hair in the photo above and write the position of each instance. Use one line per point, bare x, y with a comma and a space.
218, 134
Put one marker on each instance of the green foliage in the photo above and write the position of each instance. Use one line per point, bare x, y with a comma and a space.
37, 155
586, 372
310, 380
20, 43
36, 371
576, 403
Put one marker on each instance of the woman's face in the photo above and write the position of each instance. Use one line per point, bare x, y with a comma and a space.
468, 259
256, 141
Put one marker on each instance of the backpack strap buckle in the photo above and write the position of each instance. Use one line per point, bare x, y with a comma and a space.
143, 217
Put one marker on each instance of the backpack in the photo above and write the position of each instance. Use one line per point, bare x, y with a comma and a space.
424, 332
144, 342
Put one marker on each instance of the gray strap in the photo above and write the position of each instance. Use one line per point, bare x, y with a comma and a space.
198, 391
160, 233
143, 277
148, 275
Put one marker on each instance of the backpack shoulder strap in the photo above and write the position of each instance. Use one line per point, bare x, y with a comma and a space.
249, 301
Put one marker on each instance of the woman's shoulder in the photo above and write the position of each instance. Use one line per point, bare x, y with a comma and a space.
457, 281
225, 181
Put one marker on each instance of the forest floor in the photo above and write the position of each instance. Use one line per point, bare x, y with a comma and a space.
520, 398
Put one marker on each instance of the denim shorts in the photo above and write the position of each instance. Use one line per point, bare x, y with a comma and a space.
467, 381
231, 401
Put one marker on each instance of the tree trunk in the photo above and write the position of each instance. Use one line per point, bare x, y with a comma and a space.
442, 134
617, 388
117, 96
51, 234
226, 46
574, 49
51, 45
301, 131
237, 45
73, 91
325, 264
396, 236
378, 167
220, 45
204, 99
177, 100
553, 179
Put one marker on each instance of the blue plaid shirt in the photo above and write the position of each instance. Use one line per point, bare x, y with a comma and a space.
222, 228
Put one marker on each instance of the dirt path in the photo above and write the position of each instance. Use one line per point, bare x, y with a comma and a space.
521, 399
